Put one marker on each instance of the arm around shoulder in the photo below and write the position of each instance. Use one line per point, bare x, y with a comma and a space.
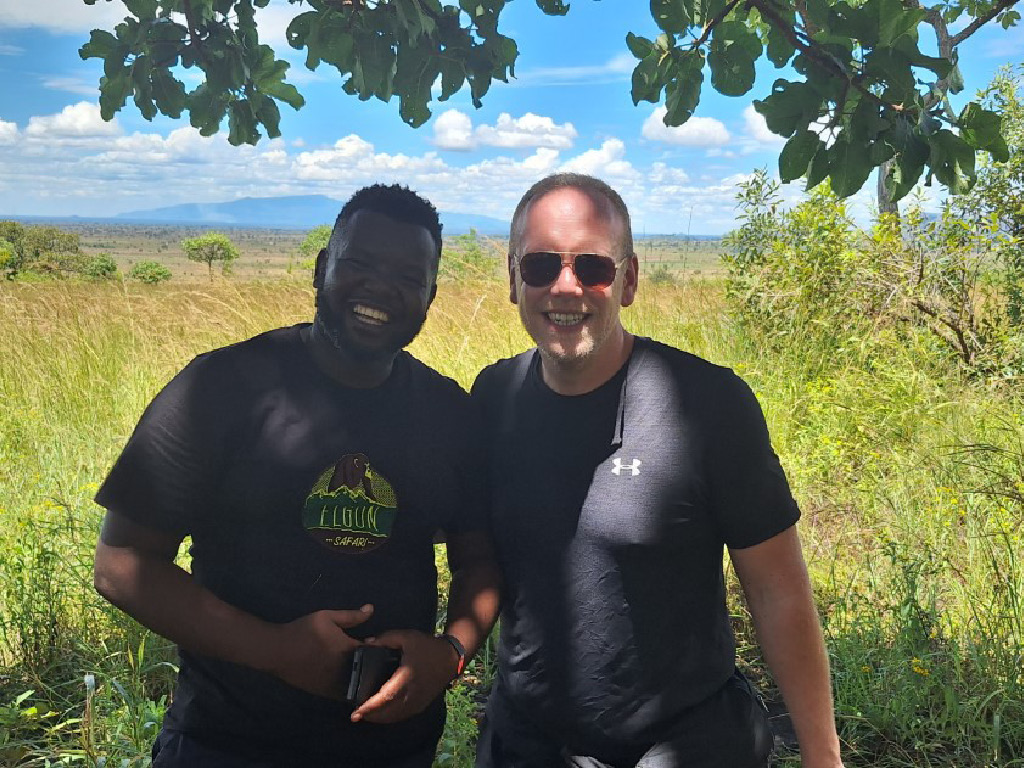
778, 592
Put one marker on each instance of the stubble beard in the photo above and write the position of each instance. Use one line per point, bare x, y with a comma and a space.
328, 323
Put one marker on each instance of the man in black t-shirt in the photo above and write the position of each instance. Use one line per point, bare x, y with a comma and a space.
620, 470
312, 467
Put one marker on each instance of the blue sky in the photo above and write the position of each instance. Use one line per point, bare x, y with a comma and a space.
569, 108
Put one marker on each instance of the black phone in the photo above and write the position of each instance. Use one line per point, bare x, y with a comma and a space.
372, 666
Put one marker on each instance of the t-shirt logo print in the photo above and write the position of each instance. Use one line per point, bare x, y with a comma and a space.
351, 508
634, 467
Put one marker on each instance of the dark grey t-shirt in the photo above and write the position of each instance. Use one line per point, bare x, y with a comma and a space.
610, 513
302, 495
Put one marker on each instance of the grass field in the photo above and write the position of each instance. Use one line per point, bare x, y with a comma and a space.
911, 480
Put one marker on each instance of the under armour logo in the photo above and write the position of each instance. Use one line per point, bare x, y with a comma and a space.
634, 468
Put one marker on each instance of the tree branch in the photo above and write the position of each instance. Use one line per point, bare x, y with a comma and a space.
981, 21
709, 27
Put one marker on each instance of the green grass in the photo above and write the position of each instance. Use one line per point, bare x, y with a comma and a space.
911, 480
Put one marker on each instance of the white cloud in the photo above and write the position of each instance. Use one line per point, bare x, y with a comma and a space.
81, 120
695, 132
661, 173
530, 130
757, 129
615, 69
606, 162
7, 49
8, 133
73, 85
454, 130
61, 16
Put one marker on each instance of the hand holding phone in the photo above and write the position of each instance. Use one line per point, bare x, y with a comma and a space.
372, 666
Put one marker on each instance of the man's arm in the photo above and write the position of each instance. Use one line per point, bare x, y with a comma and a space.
778, 591
429, 663
135, 570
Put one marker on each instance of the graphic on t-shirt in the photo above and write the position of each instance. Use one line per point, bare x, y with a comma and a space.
351, 508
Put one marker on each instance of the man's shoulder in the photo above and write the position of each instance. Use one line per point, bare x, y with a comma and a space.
679, 361
502, 373
257, 351
427, 380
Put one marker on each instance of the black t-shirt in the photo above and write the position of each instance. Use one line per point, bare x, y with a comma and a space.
610, 512
299, 495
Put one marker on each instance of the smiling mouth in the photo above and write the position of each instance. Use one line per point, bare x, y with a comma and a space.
371, 315
565, 318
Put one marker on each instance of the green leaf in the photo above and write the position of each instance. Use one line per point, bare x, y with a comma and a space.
673, 16
143, 10
299, 28
892, 67
791, 106
168, 92
895, 20
102, 45
114, 92
780, 49
411, 18
453, 75
143, 86
268, 114
241, 124
1009, 19
734, 49
646, 85
796, 156
683, 93
553, 7
818, 169
849, 166
206, 107
979, 127
640, 47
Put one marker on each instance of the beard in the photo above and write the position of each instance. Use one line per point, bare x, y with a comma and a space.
333, 327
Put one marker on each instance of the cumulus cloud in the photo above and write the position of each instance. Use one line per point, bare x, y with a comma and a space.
695, 132
8, 133
757, 129
606, 162
81, 120
454, 130
61, 16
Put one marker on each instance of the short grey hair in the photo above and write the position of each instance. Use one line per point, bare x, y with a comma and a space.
582, 182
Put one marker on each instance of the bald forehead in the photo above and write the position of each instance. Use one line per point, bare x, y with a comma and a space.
584, 205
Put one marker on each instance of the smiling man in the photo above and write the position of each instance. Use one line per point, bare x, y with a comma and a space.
312, 467
621, 468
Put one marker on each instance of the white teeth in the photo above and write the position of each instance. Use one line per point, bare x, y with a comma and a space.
370, 314
566, 318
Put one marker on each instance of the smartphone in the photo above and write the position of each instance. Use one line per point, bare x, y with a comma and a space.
372, 666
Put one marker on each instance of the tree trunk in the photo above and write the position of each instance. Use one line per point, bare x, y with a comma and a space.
885, 202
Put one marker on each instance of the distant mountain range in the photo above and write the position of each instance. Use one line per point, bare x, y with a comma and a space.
293, 212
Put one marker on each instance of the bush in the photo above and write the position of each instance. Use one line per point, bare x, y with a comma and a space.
150, 272
101, 267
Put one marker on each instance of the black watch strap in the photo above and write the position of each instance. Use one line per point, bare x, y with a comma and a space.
459, 649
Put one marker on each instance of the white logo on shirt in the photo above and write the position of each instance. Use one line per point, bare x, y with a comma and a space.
634, 468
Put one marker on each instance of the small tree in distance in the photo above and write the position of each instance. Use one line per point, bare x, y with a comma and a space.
210, 248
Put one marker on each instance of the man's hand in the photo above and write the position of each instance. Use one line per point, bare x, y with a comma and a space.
428, 665
314, 651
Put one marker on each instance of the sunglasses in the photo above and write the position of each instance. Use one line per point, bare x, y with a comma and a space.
592, 270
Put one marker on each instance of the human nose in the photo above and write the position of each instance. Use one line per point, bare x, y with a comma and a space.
567, 282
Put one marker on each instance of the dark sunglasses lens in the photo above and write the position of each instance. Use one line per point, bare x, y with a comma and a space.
594, 271
540, 269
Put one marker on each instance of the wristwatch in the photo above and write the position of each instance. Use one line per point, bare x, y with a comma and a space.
459, 649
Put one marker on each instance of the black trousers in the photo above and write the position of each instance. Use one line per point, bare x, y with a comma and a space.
174, 749
729, 729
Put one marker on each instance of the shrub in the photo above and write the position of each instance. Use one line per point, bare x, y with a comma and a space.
101, 267
150, 272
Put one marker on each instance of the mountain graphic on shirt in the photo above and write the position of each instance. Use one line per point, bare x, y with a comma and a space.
351, 507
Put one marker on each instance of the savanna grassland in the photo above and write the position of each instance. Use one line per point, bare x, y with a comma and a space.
909, 470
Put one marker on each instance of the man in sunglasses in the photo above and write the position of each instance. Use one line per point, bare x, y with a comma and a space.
620, 470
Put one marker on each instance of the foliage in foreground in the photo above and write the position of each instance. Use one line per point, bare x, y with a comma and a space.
858, 67
911, 480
